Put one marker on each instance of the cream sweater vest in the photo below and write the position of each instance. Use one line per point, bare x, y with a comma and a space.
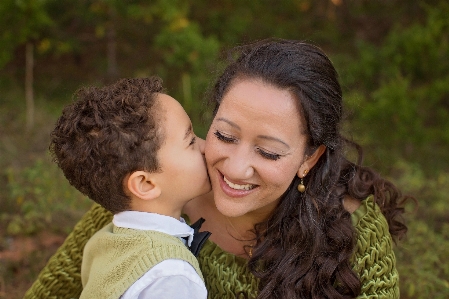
115, 257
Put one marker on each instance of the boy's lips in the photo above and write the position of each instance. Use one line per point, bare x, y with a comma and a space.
233, 189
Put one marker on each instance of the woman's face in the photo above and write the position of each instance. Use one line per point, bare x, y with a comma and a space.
254, 148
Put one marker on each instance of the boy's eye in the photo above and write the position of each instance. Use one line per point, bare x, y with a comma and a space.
192, 141
224, 138
268, 155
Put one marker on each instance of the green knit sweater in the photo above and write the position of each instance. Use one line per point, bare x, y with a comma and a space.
116, 257
225, 274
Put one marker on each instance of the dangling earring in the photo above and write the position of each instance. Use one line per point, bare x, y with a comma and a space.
301, 187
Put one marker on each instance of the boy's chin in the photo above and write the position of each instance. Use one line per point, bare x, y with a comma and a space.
208, 194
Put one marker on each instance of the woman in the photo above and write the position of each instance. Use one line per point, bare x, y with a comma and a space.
290, 216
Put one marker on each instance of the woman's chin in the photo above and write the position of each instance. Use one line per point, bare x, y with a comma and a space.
229, 207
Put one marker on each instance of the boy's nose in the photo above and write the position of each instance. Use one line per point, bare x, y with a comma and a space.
201, 144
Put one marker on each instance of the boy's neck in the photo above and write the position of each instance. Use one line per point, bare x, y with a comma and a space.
155, 207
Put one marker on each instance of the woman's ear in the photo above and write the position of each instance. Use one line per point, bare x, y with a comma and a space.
141, 185
311, 161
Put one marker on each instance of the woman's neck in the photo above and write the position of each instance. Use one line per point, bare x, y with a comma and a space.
232, 234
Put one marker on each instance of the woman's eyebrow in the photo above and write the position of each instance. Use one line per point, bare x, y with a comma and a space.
232, 124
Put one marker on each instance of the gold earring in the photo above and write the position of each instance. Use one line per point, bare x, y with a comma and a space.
301, 187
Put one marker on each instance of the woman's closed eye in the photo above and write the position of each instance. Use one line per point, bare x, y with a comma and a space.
264, 153
225, 138
268, 155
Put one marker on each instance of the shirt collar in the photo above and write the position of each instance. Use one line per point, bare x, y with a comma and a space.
152, 221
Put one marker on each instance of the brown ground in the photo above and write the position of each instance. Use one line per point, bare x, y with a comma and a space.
22, 258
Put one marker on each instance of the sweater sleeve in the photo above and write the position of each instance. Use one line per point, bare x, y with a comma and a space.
61, 277
374, 257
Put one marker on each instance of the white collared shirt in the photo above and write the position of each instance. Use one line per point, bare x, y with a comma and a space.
172, 278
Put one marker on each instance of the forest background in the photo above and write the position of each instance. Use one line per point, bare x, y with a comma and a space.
392, 57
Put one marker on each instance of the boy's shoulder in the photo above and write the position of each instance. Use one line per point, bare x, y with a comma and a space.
127, 236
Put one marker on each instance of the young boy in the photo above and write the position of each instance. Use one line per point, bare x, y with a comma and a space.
132, 149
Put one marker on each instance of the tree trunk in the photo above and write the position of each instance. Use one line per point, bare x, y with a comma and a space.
187, 92
29, 93
112, 72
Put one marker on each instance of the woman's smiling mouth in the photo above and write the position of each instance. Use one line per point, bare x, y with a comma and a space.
232, 189
238, 187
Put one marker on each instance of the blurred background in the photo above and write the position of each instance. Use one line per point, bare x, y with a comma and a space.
392, 57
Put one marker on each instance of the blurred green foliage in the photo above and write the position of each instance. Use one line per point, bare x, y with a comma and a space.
40, 197
399, 93
422, 262
25, 20
391, 56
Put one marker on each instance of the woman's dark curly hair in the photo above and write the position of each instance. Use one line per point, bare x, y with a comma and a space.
304, 249
107, 133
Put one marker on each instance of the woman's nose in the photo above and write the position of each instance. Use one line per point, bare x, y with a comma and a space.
238, 165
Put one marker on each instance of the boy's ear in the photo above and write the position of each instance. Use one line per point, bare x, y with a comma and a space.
311, 161
140, 184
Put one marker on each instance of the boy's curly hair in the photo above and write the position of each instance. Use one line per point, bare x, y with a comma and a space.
107, 133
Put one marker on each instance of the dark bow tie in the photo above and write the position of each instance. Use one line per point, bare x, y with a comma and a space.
199, 238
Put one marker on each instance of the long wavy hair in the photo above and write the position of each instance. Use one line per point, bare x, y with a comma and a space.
304, 249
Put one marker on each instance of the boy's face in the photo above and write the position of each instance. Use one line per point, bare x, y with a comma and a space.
181, 156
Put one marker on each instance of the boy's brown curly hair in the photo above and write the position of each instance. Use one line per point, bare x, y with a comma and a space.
107, 133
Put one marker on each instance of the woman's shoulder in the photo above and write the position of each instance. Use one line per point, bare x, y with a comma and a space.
351, 204
61, 276
374, 251
94, 219
366, 213
371, 227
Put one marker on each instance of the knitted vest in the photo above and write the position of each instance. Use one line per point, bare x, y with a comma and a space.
115, 258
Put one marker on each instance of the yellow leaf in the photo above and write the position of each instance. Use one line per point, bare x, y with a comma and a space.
44, 45
100, 31
411, 289
179, 23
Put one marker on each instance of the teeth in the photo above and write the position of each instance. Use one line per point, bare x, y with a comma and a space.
238, 187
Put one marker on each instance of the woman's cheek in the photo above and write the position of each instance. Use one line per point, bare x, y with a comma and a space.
282, 175
209, 151
216, 151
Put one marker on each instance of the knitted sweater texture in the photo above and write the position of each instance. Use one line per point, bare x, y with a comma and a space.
116, 257
226, 275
